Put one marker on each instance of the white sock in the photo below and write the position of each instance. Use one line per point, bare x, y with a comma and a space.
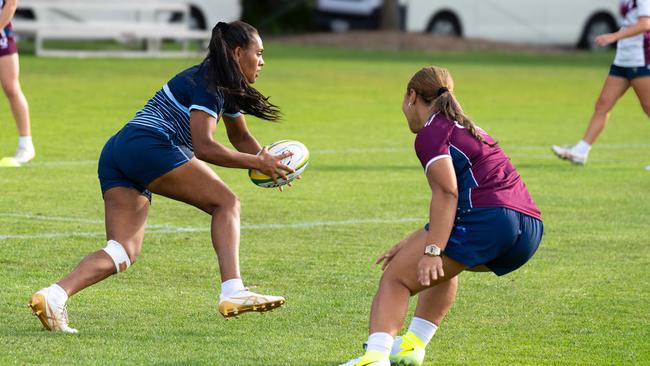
582, 147
423, 329
232, 287
380, 342
57, 295
25, 142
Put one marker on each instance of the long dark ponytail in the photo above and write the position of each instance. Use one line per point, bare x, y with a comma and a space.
225, 75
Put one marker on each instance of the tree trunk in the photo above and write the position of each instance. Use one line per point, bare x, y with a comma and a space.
389, 17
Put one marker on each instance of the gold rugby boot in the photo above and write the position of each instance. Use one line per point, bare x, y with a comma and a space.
54, 318
245, 301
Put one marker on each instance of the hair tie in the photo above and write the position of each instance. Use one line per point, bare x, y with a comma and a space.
442, 91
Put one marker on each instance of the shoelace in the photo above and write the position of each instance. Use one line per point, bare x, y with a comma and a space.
63, 310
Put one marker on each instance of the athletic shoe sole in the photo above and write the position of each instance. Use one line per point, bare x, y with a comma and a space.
229, 310
39, 308
565, 157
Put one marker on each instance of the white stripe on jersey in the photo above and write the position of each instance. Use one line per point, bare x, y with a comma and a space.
164, 113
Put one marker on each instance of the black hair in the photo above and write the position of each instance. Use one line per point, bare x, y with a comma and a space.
225, 75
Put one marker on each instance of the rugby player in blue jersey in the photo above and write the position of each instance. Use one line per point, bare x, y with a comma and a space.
164, 150
481, 218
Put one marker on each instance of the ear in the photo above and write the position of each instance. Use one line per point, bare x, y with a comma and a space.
238, 52
412, 96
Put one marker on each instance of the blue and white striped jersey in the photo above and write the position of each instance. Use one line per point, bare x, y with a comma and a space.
169, 109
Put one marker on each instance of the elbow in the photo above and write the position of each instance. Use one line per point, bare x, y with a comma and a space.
200, 152
447, 193
451, 194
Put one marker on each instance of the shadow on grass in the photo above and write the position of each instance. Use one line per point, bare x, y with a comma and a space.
364, 168
294, 362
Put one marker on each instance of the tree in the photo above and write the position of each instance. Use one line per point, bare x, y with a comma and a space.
389, 17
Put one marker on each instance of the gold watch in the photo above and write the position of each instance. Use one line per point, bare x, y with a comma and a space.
432, 250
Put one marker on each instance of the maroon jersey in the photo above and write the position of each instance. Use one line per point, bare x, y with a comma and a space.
485, 175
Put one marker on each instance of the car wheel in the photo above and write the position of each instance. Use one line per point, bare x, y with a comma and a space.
596, 26
197, 20
445, 24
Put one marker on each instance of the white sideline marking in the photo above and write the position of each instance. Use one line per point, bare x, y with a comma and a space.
52, 218
170, 229
61, 163
364, 151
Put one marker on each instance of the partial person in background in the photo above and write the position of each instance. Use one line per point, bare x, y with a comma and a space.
631, 68
481, 219
164, 150
9, 70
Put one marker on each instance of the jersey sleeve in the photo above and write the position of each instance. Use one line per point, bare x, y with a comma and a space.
206, 101
431, 145
230, 110
643, 7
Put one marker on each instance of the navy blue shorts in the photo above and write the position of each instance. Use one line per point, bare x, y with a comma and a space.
629, 73
499, 238
137, 155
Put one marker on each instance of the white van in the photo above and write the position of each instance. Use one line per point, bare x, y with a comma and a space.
555, 22
203, 14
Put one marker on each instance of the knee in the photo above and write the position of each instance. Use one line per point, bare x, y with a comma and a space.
603, 105
228, 202
392, 279
121, 258
12, 90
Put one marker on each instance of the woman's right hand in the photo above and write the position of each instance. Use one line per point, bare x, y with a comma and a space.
271, 164
606, 39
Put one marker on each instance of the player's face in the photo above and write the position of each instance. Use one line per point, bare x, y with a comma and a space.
250, 59
409, 112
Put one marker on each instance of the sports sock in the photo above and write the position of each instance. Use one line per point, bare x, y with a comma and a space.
231, 287
56, 295
582, 147
25, 142
380, 342
423, 329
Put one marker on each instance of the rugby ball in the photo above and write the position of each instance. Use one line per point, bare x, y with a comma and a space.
298, 161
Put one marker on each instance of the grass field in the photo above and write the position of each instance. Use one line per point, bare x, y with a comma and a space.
583, 299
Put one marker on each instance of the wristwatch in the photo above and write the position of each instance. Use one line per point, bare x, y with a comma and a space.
432, 250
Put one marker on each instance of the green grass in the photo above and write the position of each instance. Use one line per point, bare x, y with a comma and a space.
583, 299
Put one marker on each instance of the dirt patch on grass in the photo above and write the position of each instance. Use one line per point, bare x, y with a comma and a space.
398, 41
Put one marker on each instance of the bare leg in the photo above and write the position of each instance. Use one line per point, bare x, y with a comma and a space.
400, 281
126, 215
641, 87
434, 303
613, 90
9, 71
196, 184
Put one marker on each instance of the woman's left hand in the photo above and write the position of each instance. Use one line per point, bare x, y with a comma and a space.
389, 255
429, 268
605, 39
